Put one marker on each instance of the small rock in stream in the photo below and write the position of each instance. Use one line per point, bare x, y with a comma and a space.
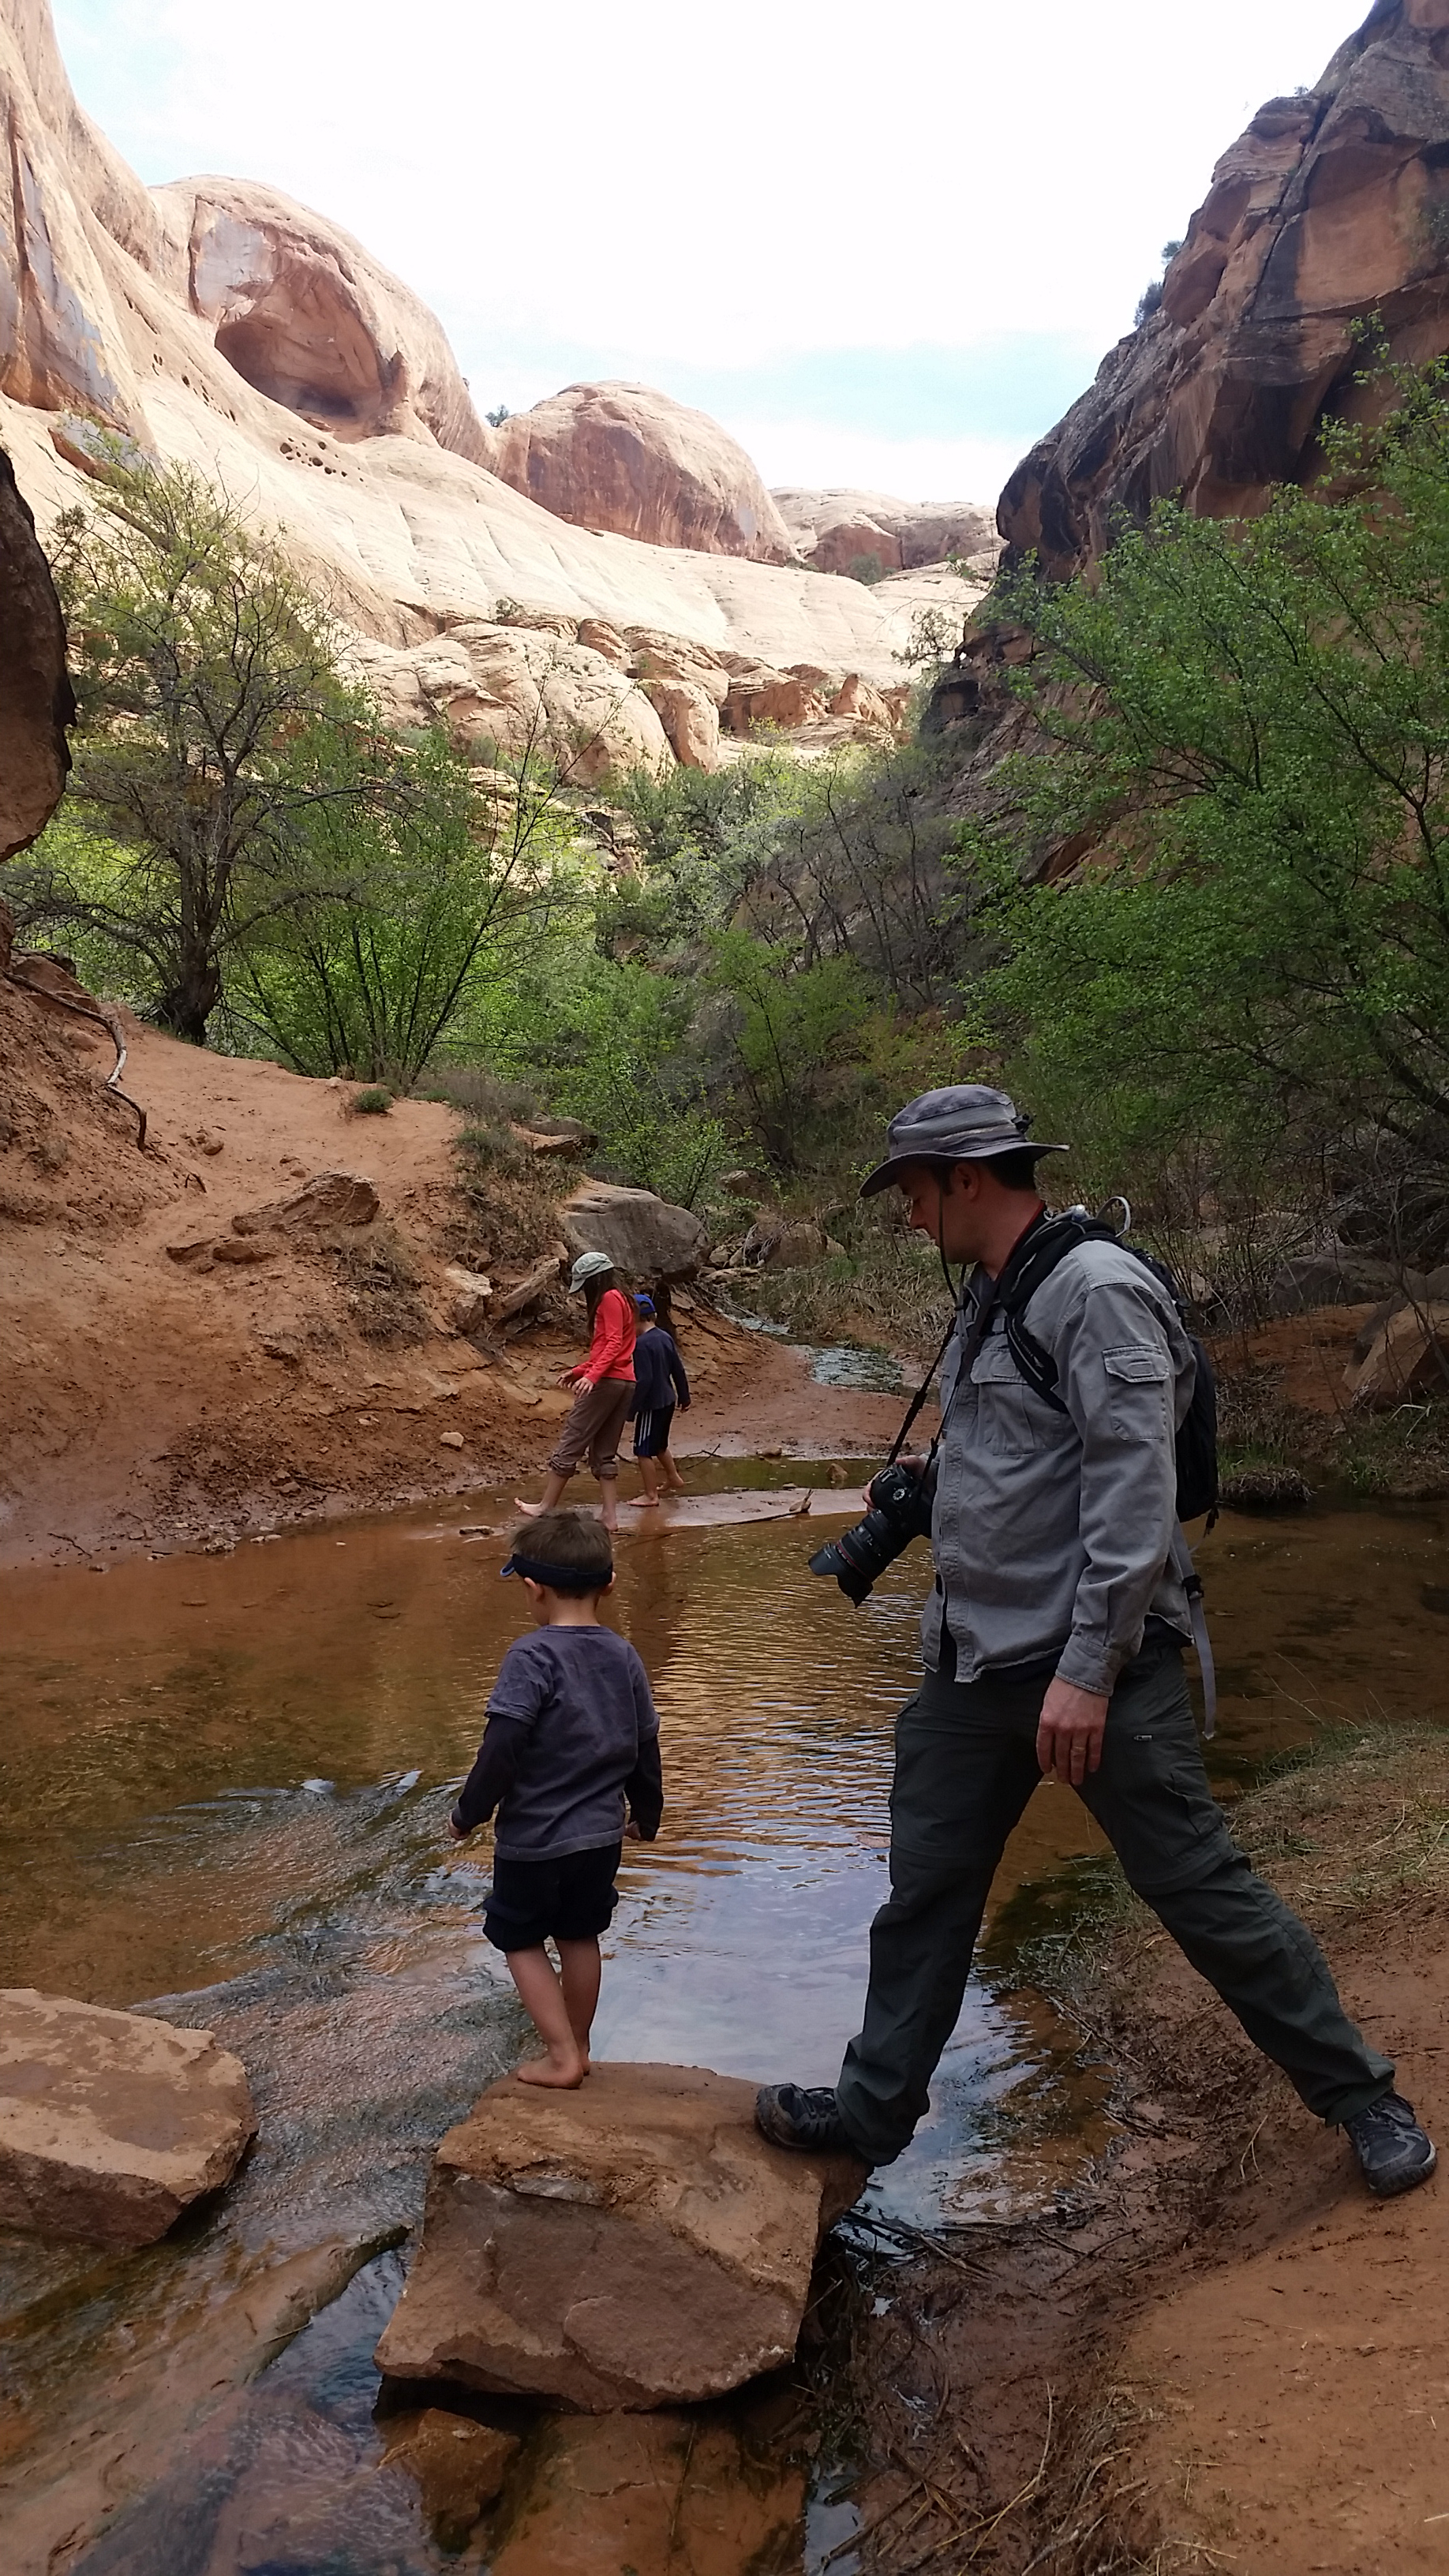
459, 2466
110, 2123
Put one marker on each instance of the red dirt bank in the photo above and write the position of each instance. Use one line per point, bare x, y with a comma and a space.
141, 1405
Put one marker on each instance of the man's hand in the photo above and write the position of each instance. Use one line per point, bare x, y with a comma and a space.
457, 1832
915, 1459
1069, 1732
575, 1378
632, 1833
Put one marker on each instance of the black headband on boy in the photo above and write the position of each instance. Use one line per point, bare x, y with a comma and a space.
560, 1578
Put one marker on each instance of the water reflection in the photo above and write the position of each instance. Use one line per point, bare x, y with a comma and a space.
224, 1782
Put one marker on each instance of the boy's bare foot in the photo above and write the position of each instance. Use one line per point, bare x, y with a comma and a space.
642, 1503
566, 2073
530, 1511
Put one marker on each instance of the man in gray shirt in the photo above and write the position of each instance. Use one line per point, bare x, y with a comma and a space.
1052, 1642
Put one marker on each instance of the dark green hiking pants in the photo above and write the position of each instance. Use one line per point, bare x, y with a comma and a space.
965, 1768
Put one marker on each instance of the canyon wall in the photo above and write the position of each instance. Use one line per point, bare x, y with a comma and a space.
217, 323
36, 700
1332, 207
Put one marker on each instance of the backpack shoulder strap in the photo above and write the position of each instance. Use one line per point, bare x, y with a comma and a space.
1033, 1261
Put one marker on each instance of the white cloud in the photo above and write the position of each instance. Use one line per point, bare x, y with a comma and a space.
813, 454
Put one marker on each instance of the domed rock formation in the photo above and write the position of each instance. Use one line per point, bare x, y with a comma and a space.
625, 458
309, 319
217, 323
1333, 206
839, 531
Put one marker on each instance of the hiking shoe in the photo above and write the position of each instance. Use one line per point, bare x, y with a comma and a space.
1393, 2151
796, 2115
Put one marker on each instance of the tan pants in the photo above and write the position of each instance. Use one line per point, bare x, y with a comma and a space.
593, 1428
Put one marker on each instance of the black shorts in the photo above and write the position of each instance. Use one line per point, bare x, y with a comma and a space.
651, 1431
570, 1899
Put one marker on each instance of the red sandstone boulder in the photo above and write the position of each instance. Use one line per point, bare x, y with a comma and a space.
625, 458
633, 2244
36, 700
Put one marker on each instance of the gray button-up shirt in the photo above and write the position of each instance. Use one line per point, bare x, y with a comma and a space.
1051, 1530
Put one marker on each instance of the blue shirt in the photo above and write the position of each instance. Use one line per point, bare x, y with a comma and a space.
571, 1742
658, 1372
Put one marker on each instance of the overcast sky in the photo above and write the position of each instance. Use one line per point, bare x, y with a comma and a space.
886, 245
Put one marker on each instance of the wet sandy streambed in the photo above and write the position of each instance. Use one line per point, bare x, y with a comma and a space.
225, 1789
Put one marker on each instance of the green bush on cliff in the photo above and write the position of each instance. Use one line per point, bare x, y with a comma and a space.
1246, 728
214, 725
244, 848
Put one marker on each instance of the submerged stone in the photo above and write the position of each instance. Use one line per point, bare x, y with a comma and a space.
459, 2467
111, 2124
633, 2244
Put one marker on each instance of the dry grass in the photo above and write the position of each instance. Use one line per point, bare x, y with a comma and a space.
1360, 1820
510, 1198
889, 1294
380, 1278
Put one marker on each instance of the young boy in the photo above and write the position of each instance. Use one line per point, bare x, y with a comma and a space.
571, 1744
659, 1382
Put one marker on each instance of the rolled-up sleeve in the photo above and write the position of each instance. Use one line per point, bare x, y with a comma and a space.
1117, 1375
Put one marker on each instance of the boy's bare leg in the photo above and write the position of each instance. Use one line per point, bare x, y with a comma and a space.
542, 1998
672, 1477
609, 1492
582, 1968
649, 1479
551, 1492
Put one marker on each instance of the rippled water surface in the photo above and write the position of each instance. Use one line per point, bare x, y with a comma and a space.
225, 1786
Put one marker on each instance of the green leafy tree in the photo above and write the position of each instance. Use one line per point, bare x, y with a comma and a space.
796, 1028
446, 889
1244, 764
214, 727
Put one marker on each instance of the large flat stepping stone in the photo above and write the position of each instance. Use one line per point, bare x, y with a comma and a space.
634, 2244
111, 2124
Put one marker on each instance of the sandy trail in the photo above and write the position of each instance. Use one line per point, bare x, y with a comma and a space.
151, 1403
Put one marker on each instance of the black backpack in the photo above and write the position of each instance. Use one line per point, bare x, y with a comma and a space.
1035, 1258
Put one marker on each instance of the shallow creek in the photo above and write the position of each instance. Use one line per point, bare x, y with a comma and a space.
225, 1788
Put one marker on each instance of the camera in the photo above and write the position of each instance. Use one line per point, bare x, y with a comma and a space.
900, 1510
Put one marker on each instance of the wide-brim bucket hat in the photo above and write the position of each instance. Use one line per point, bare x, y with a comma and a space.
967, 1122
589, 1265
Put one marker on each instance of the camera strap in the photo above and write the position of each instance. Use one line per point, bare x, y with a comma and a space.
971, 1342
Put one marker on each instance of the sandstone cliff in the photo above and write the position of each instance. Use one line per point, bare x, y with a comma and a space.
1333, 206
36, 700
836, 530
217, 322
625, 458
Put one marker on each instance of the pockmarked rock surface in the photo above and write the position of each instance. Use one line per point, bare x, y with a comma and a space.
633, 2244
110, 2123
628, 459
1331, 207
646, 1237
36, 699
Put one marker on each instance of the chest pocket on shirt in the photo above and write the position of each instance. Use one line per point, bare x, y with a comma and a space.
1139, 1388
1005, 1410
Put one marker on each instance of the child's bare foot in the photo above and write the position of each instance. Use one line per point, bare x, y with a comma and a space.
566, 2072
530, 1511
642, 1503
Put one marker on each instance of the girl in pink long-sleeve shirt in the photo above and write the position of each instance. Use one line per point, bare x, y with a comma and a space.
604, 1385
